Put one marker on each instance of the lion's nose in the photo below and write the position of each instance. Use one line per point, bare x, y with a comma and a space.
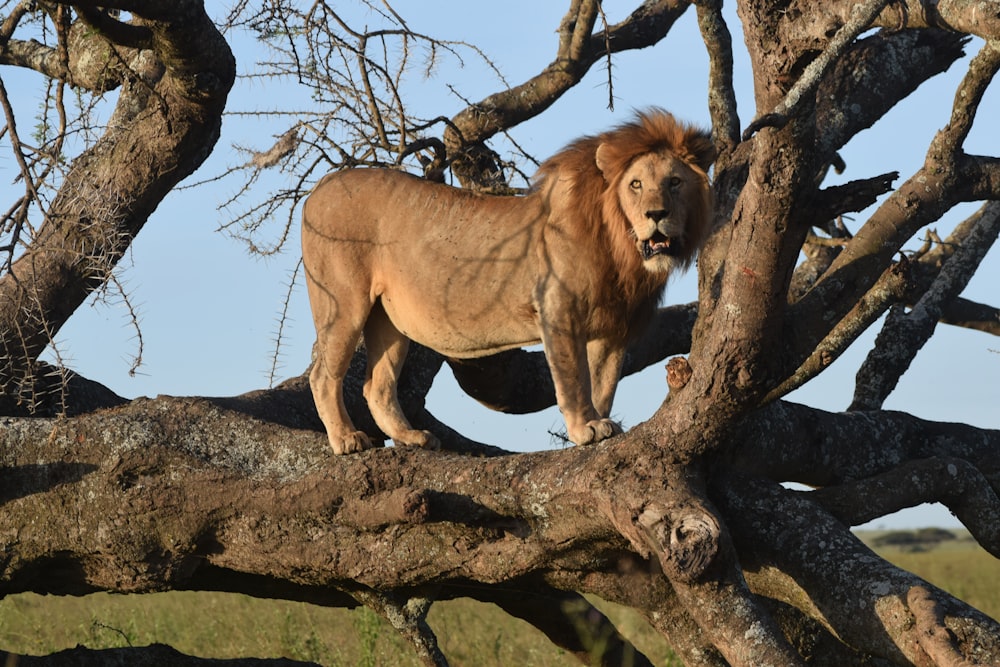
657, 215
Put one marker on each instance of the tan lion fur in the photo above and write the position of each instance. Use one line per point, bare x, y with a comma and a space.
575, 264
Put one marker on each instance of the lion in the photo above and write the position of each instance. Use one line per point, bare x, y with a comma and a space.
577, 264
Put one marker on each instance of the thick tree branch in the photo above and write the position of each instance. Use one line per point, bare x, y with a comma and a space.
120, 33
790, 442
873, 75
519, 381
569, 621
861, 17
947, 145
721, 94
954, 482
976, 17
971, 315
266, 510
154, 655
801, 538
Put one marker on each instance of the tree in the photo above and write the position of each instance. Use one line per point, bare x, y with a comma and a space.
683, 517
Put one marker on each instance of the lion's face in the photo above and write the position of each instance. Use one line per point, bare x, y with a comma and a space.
659, 193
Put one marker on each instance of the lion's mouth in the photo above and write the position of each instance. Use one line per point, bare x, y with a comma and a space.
660, 244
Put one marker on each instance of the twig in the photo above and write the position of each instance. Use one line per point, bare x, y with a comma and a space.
282, 320
607, 47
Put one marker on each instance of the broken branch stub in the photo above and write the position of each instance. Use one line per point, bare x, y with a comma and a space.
685, 539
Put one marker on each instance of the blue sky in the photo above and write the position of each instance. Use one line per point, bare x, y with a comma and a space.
209, 310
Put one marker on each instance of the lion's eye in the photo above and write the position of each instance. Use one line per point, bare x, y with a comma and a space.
675, 182
636, 184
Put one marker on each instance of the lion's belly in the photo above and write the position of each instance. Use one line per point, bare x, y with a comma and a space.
446, 319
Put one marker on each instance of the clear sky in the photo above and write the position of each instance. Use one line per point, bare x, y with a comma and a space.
209, 310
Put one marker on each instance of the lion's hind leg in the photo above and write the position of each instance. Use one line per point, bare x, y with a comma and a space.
338, 327
387, 348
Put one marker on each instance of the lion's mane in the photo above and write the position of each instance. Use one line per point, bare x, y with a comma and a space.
596, 208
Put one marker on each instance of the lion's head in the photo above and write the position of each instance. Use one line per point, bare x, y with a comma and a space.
644, 184
657, 187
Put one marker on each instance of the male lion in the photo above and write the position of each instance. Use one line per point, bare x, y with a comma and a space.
576, 264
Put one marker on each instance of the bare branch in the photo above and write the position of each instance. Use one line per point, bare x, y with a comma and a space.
904, 334
118, 32
970, 93
818, 448
519, 382
772, 524
409, 617
889, 289
979, 17
576, 54
721, 94
970, 315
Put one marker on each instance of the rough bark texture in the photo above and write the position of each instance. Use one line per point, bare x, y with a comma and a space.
682, 518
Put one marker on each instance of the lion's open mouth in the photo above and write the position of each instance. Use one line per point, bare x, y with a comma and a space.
660, 244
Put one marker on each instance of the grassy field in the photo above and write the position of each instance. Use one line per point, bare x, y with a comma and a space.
470, 633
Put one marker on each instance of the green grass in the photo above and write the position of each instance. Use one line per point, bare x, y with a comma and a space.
470, 633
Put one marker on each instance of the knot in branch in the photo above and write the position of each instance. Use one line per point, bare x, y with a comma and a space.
685, 540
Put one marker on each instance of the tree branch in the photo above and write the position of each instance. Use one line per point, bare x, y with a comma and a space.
721, 93
873, 75
775, 525
971, 315
497, 112
980, 18
519, 382
954, 482
790, 442
100, 208
120, 33
889, 289
904, 334
983, 67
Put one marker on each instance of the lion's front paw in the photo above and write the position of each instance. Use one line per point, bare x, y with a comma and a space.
415, 438
594, 431
351, 442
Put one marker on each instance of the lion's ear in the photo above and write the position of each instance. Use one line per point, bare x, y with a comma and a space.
602, 159
699, 144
